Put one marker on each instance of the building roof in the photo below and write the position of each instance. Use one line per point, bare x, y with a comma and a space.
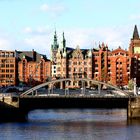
31, 56
119, 49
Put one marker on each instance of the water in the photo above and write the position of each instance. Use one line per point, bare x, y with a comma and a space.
77, 124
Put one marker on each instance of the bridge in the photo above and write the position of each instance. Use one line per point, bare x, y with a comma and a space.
64, 84
19, 106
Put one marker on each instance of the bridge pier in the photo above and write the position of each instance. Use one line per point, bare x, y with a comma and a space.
10, 110
133, 111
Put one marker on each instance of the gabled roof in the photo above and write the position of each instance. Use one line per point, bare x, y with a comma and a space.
71, 50
119, 49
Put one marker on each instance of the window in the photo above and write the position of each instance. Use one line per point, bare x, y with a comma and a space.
80, 76
11, 65
96, 70
3, 70
85, 69
80, 69
70, 63
96, 65
108, 65
69, 75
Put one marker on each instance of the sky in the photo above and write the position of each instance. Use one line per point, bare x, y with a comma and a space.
30, 24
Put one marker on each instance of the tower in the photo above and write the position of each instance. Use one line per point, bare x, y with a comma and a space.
135, 33
135, 42
54, 48
134, 53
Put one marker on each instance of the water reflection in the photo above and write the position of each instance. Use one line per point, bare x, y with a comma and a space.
133, 122
89, 124
72, 115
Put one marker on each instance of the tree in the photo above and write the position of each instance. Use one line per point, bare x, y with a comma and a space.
131, 84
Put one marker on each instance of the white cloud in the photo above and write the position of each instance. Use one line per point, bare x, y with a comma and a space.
54, 10
44, 7
89, 38
37, 31
40, 39
28, 30
84, 37
39, 43
135, 17
5, 44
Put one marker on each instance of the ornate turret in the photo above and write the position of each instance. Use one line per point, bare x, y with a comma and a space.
135, 33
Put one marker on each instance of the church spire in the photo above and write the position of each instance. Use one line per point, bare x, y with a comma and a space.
135, 33
64, 40
55, 45
55, 38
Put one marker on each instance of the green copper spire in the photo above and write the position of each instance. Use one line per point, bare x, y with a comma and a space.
54, 46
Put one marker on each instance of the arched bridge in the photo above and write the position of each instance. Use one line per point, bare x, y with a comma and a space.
66, 81
28, 101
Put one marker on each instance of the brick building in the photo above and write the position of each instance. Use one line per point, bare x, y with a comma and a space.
8, 68
116, 67
112, 66
33, 68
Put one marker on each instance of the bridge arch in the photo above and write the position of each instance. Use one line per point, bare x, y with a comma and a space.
69, 79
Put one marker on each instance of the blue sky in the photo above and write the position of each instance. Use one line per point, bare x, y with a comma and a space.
30, 24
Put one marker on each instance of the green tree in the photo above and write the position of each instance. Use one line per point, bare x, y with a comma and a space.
131, 84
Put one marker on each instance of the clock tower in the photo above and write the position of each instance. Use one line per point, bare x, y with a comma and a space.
135, 43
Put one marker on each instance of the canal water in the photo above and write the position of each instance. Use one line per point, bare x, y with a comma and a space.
74, 124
